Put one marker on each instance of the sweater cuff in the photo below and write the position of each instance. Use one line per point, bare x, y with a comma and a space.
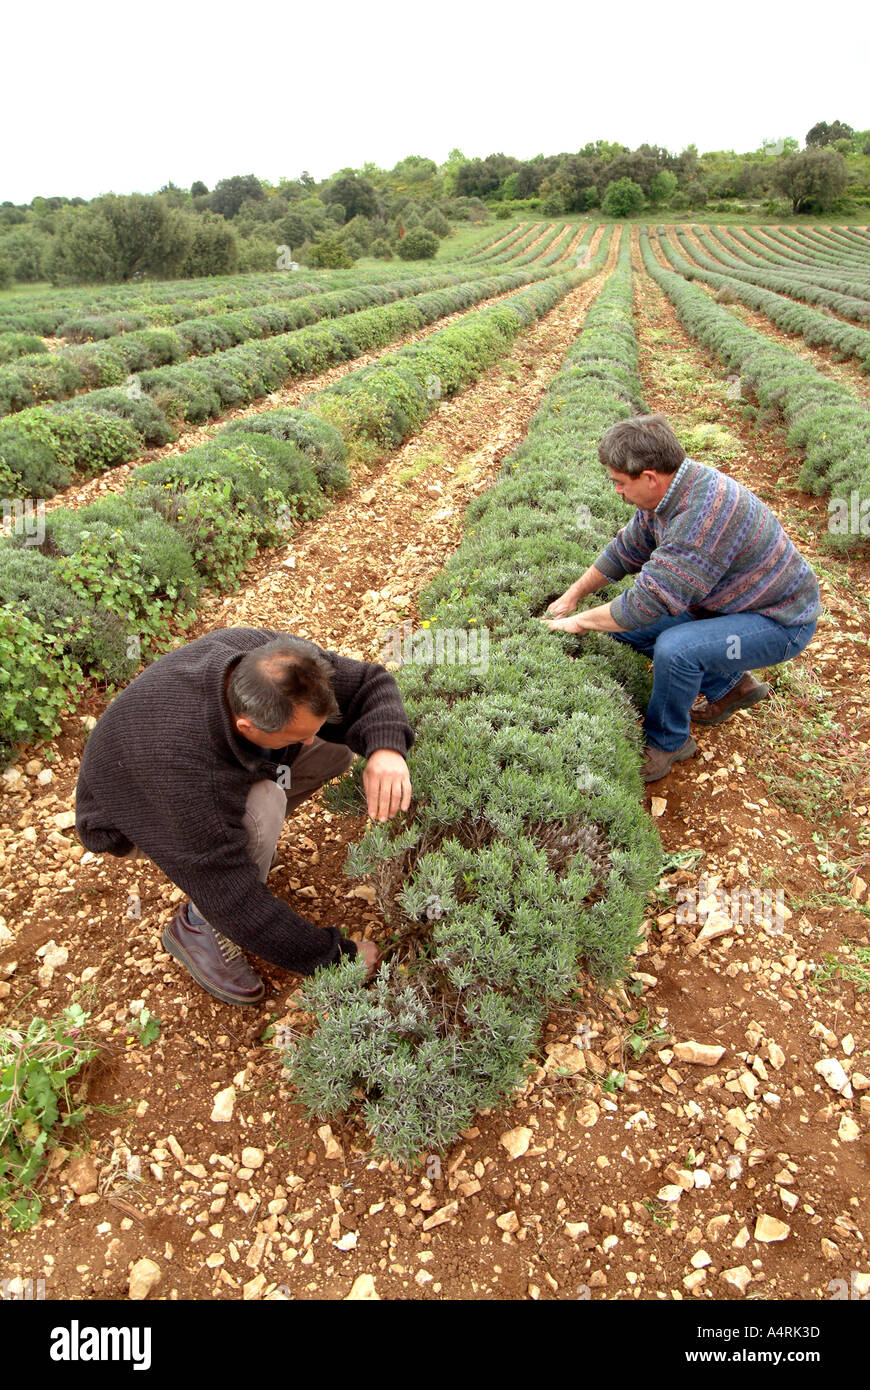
395, 736
609, 565
105, 842
347, 948
623, 619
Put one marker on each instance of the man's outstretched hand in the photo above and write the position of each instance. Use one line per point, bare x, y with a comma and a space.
367, 952
574, 623
561, 607
387, 784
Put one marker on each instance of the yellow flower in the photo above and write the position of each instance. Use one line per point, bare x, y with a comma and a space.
427, 625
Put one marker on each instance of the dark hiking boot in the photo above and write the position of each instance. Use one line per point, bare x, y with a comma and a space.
658, 762
213, 960
746, 693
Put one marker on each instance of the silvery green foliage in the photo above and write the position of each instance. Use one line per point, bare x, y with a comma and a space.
532, 852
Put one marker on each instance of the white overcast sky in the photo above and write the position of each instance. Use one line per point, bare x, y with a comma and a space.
104, 97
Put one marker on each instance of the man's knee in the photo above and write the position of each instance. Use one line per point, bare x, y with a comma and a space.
265, 809
671, 643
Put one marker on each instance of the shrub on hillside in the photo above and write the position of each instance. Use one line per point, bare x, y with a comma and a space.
418, 244
33, 465
330, 253
125, 557
14, 345
93, 327
30, 380
436, 222
229, 496
138, 410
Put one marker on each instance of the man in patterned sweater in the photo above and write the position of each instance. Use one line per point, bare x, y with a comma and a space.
720, 590
197, 762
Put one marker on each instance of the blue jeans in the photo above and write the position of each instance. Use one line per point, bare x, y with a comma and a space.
694, 655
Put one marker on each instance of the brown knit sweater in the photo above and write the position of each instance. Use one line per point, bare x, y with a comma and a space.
164, 769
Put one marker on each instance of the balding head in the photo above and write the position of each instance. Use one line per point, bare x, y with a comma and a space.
273, 684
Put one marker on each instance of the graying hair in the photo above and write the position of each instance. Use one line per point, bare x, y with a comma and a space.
645, 441
272, 681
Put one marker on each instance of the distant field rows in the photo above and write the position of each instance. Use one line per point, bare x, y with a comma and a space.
826, 421
732, 256
75, 433
817, 329
290, 394
85, 367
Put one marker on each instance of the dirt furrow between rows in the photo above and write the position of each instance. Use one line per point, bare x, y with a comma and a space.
571, 249
405, 531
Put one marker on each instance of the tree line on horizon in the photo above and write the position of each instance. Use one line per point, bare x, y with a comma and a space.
242, 223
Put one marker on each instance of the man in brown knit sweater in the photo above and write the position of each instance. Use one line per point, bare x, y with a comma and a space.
195, 765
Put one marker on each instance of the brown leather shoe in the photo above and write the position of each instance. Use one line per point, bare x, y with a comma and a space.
213, 960
658, 762
747, 692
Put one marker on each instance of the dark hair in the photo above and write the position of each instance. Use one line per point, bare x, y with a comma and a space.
645, 441
270, 682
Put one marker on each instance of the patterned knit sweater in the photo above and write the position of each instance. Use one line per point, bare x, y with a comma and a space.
164, 769
709, 547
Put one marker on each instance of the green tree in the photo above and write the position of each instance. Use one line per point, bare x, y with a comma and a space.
823, 134
552, 202
448, 172
528, 177
696, 193
686, 163
359, 230
214, 248
419, 244
356, 196
662, 186
84, 249
26, 249
151, 239
622, 198
414, 169
812, 179
751, 179
229, 194
570, 180
294, 229
330, 253
436, 222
